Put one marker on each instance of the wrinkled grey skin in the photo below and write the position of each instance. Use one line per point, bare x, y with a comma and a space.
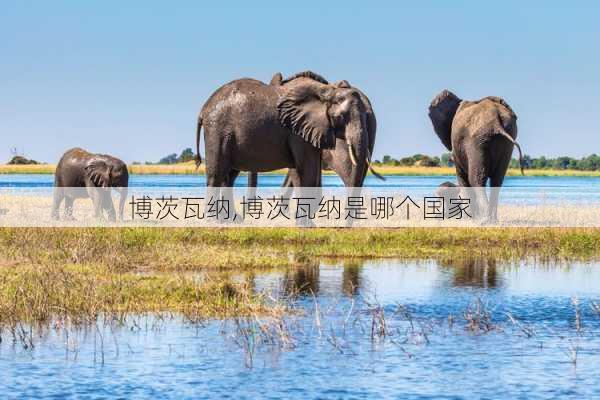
339, 159
252, 126
98, 173
481, 136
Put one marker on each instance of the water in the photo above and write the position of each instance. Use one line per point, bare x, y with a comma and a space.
275, 180
337, 357
516, 190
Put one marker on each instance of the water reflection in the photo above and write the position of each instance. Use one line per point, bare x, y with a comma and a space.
349, 277
302, 281
450, 359
473, 272
307, 280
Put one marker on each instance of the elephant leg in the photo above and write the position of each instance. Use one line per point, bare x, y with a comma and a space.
496, 181
288, 182
306, 182
252, 183
108, 206
228, 195
218, 157
97, 201
478, 176
69, 207
231, 177
56, 201
462, 177
218, 171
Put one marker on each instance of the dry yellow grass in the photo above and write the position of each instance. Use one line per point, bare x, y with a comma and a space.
189, 169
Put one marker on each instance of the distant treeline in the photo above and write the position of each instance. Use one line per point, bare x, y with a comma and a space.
185, 156
589, 163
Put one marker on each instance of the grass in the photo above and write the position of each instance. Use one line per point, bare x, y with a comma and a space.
37, 293
190, 169
179, 249
79, 274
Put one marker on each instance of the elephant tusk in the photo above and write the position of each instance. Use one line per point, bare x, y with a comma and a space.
377, 174
351, 152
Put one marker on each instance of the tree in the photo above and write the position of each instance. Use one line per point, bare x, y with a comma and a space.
170, 159
426, 161
186, 155
446, 160
406, 161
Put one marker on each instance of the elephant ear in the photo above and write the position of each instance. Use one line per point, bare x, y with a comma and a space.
99, 173
304, 109
441, 112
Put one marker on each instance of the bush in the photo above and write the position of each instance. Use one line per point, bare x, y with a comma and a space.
19, 160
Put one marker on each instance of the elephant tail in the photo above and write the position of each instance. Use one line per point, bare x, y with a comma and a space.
198, 158
506, 135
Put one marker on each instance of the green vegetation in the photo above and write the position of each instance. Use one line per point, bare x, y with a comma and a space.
20, 160
186, 155
418, 160
80, 274
180, 249
589, 163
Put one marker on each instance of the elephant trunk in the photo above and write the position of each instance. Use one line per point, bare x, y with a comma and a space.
358, 151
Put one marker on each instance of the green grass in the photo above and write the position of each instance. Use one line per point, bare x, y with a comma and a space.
178, 249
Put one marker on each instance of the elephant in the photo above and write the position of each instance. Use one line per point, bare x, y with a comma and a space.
257, 127
97, 173
342, 159
481, 136
451, 192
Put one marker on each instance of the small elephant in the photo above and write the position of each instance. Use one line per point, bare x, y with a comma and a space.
97, 173
450, 192
481, 136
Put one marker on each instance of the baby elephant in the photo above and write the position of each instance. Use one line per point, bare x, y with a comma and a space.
456, 200
80, 174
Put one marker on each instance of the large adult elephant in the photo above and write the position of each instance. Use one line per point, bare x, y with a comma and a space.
252, 126
81, 174
342, 159
481, 136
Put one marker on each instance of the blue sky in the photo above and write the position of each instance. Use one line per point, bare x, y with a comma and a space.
128, 78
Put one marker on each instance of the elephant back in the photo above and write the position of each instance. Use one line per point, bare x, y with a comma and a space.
239, 96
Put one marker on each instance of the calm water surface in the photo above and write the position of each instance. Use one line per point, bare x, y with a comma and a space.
522, 190
428, 351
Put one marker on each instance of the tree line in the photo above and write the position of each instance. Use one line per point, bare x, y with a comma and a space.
589, 163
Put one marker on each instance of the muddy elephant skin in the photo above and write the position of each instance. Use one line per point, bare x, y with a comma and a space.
97, 173
481, 136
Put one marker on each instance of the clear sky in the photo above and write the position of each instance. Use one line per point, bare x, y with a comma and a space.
128, 78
